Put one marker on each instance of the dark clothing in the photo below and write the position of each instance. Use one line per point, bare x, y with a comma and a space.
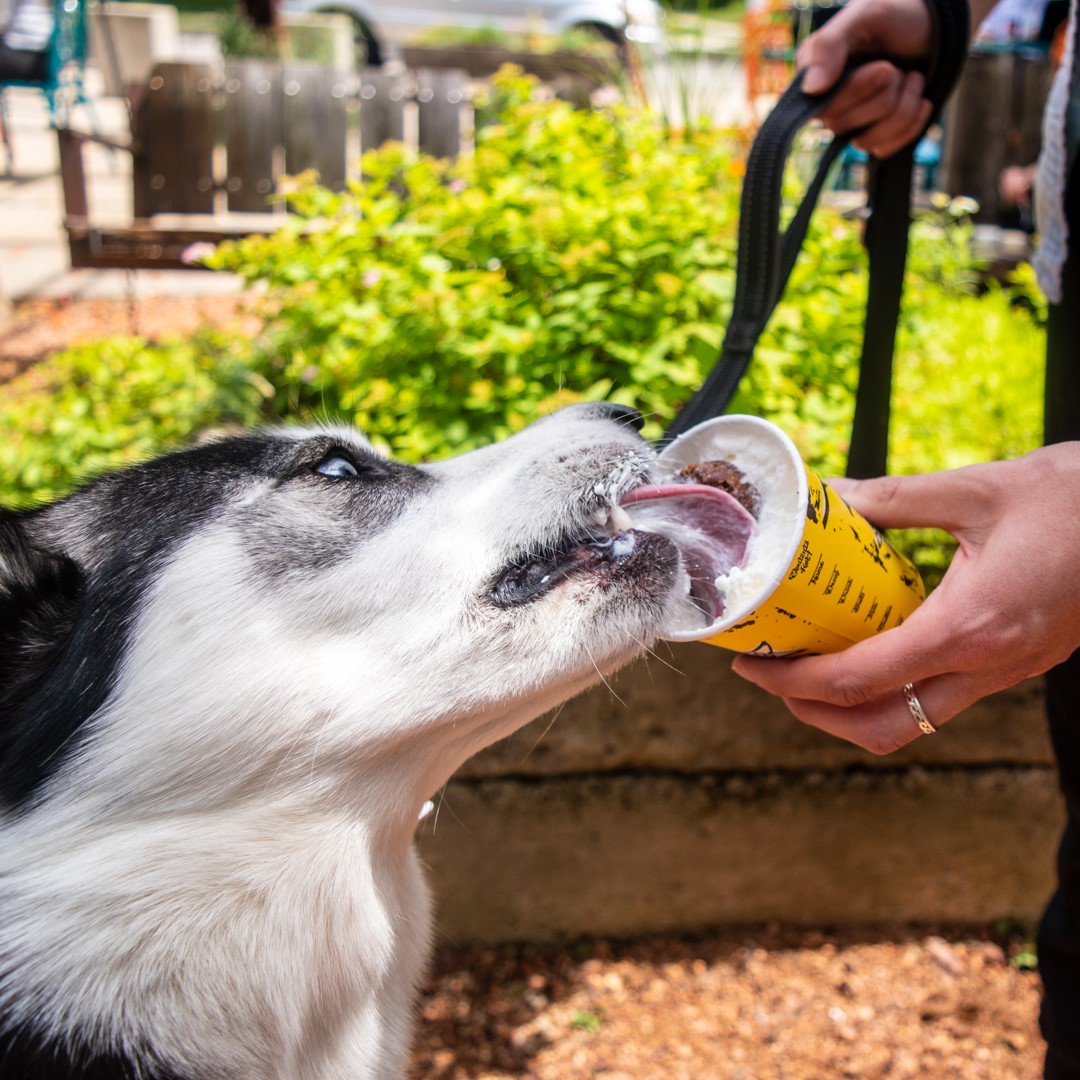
1059, 933
24, 41
22, 65
1062, 422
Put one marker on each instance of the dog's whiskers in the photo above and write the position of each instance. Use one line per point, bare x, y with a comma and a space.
551, 723
602, 676
440, 803
656, 656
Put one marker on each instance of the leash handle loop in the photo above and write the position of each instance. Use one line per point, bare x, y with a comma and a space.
765, 255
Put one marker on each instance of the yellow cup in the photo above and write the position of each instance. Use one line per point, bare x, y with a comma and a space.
831, 578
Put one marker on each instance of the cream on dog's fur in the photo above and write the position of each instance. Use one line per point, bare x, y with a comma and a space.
229, 680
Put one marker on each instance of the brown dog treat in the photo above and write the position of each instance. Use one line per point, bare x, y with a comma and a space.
724, 475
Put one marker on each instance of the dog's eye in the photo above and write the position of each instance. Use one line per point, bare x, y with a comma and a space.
340, 468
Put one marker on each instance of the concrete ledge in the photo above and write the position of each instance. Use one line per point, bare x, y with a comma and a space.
684, 711
627, 855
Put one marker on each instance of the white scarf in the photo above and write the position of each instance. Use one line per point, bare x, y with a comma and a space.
1052, 174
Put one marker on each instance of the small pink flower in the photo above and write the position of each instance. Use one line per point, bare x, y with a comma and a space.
196, 252
372, 278
456, 186
309, 373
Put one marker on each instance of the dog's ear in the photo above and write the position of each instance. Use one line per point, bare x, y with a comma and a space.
39, 598
38, 593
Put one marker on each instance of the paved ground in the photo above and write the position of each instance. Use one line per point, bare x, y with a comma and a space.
33, 247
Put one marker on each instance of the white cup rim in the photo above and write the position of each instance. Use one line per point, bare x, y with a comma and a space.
695, 445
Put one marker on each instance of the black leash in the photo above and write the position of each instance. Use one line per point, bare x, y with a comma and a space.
766, 257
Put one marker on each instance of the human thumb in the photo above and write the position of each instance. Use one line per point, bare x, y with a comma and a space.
822, 58
942, 500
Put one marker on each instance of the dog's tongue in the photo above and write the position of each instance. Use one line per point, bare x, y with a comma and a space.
712, 529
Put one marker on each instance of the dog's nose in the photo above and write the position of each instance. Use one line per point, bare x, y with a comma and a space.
621, 414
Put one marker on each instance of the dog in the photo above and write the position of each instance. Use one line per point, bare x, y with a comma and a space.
230, 679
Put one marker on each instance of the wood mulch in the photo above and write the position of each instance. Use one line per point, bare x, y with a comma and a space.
39, 327
774, 1003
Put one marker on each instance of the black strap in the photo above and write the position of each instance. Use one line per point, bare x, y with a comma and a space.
765, 258
889, 200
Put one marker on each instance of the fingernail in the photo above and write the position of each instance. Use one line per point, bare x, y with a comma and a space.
815, 80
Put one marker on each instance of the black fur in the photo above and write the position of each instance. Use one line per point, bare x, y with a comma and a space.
23, 1057
40, 593
68, 599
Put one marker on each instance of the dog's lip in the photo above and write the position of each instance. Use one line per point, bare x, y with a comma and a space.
599, 536
532, 576
711, 529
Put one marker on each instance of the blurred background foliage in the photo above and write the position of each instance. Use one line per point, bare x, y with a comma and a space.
577, 255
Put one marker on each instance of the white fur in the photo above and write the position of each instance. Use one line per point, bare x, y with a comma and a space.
223, 870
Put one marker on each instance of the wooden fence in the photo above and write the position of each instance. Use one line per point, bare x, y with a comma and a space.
209, 143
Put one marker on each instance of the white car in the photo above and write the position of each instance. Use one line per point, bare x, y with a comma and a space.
383, 26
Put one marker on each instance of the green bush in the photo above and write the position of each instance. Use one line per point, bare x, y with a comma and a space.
576, 256
239, 37
968, 364
99, 406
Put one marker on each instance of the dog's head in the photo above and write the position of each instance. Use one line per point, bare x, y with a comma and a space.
290, 606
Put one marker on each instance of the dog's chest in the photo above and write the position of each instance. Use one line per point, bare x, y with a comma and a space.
305, 950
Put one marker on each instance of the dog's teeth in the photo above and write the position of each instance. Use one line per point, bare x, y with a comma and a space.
600, 518
620, 519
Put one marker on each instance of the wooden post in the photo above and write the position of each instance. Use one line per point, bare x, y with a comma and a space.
72, 174
174, 142
440, 96
252, 131
993, 121
382, 108
314, 107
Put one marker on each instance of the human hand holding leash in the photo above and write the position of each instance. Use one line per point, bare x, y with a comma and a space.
880, 95
1008, 607
884, 96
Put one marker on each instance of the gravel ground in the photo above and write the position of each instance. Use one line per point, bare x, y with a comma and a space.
39, 327
748, 1005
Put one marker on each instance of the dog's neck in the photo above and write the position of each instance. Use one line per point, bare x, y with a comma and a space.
285, 860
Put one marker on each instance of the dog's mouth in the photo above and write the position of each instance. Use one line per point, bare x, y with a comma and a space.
607, 544
710, 529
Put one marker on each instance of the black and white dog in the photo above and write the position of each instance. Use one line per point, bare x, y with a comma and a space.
229, 680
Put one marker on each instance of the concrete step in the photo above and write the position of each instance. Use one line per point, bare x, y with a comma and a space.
626, 855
